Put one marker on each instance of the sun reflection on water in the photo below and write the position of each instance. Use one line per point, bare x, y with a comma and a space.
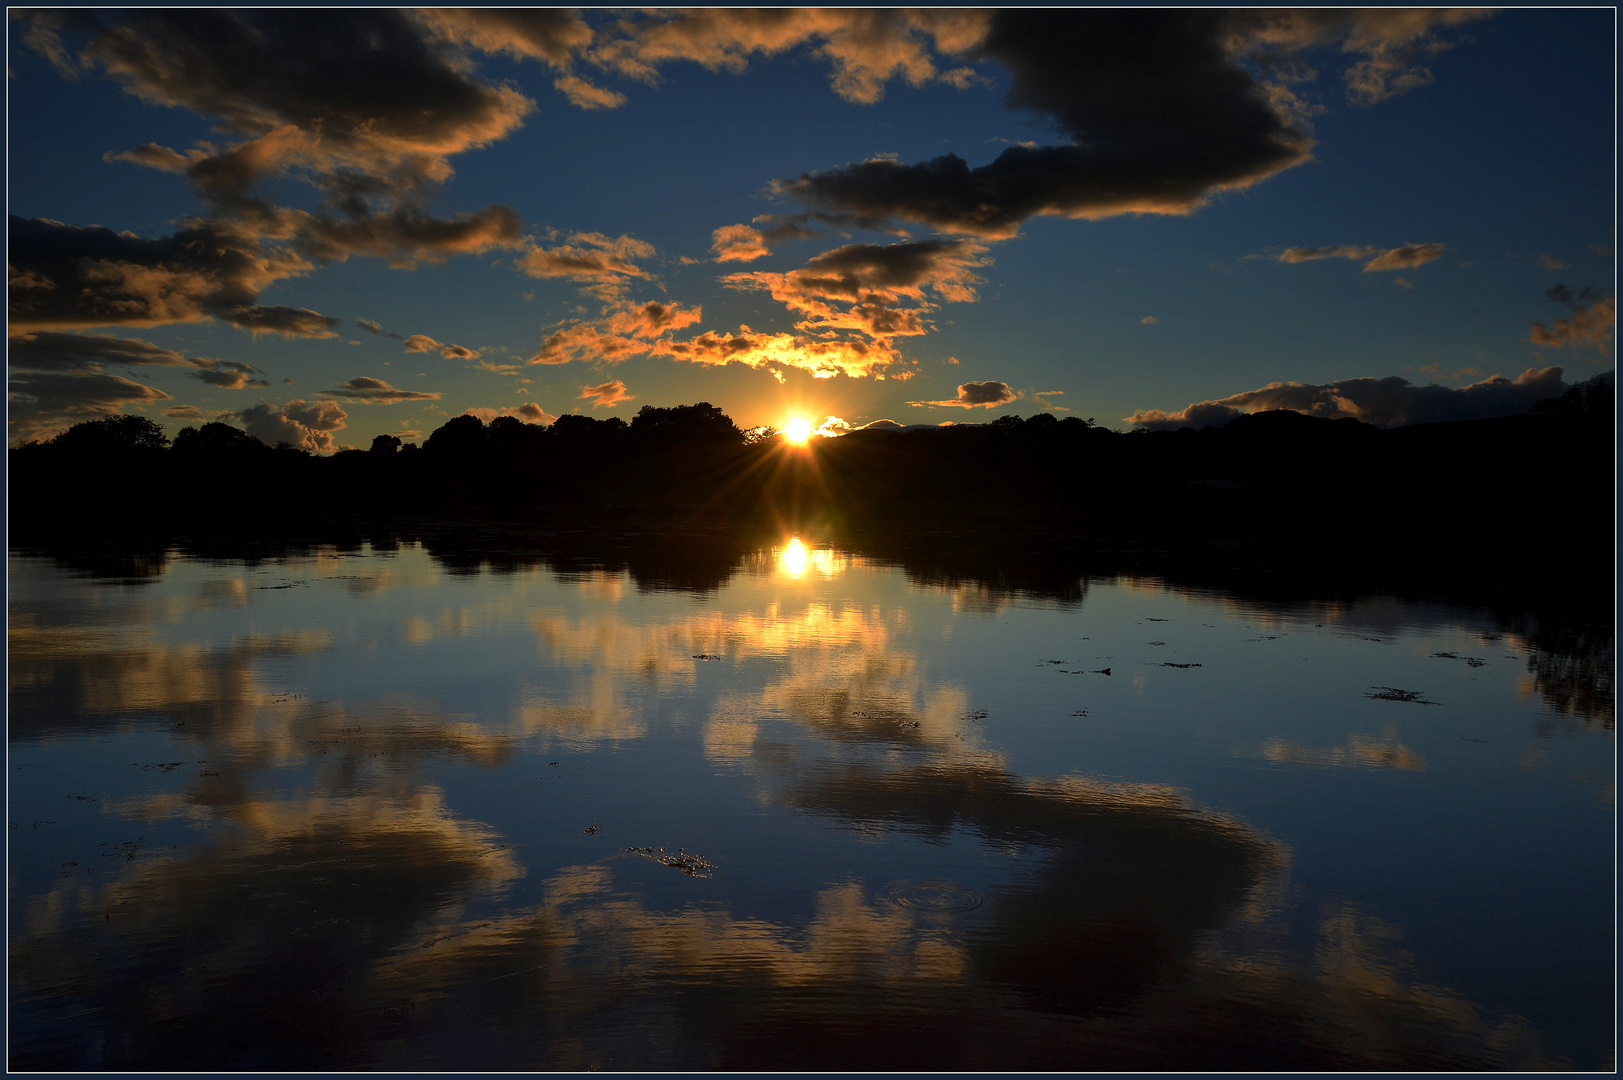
793, 558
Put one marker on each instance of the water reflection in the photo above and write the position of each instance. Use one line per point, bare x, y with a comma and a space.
318, 885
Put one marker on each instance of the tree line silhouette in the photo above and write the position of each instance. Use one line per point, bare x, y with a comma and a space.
1277, 485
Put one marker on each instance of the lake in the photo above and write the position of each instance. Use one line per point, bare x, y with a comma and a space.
378, 808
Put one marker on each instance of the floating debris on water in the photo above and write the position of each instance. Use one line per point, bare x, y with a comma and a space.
1392, 693
706, 656
1470, 661
1180, 665
1080, 712
691, 865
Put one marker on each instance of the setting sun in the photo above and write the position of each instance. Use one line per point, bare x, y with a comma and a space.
798, 430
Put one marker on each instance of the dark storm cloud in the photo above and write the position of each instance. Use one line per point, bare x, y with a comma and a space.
366, 105
1163, 109
67, 276
328, 86
976, 395
1159, 112
1388, 402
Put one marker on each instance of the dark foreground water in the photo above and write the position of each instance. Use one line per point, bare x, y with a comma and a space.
371, 810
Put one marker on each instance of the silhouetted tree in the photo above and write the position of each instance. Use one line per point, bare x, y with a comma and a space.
386, 444
111, 434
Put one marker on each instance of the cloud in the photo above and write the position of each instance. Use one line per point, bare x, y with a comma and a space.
45, 351
424, 343
1550, 263
976, 395
529, 412
738, 243
1404, 258
866, 47
230, 375
42, 403
549, 35
375, 328
603, 263
404, 236
1334, 251
776, 353
606, 395
1398, 258
832, 426
1388, 402
301, 424
48, 351
1149, 320
618, 335
376, 392
315, 91
587, 95
869, 282
1164, 109
1587, 327
192, 412
66, 277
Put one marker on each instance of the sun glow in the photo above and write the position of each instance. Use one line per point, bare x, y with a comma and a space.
798, 430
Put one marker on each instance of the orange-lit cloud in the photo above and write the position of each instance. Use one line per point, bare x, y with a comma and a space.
529, 412
777, 352
1374, 258
606, 395
376, 392
63, 277
305, 425
866, 47
976, 395
738, 243
550, 35
424, 343
619, 334
602, 263
1587, 327
1404, 258
307, 100
1388, 402
870, 281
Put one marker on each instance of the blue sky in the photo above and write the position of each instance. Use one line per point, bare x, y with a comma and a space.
539, 204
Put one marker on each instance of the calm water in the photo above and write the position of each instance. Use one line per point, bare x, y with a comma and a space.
356, 810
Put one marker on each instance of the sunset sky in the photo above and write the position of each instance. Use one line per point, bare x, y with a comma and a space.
324, 225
